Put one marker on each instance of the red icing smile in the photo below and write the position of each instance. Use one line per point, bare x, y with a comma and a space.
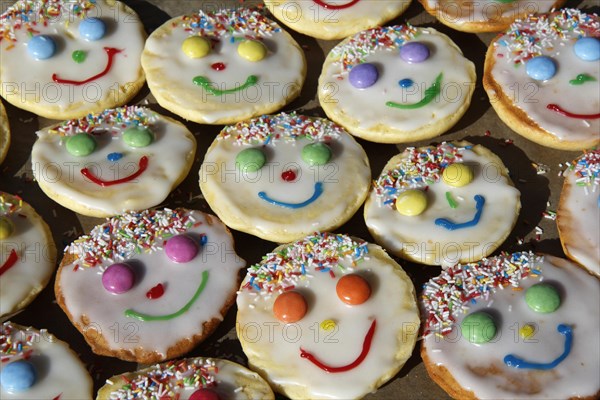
10, 262
143, 164
365, 350
110, 52
335, 6
558, 109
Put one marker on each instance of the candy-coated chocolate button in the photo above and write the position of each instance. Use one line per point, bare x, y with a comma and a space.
17, 376
252, 50
81, 144
250, 160
457, 175
204, 394
364, 75
542, 298
92, 29
41, 47
181, 248
118, 278
540, 68
6, 228
411, 202
196, 47
478, 327
587, 49
138, 136
414, 52
353, 289
290, 307
316, 153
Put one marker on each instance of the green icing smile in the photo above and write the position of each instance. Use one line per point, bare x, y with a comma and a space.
207, 85
430, 93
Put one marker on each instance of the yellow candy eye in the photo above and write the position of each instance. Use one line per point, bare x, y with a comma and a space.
196, 47
252, 50
411, 202
458, 175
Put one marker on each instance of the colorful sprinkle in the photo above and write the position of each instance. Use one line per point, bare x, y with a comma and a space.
17, 344
250, 23
587, 170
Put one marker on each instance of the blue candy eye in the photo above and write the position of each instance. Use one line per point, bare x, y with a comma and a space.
588, 49
92, 29
41, 47
541, 68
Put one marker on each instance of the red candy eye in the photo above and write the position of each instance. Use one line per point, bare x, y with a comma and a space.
353, 289
289, 307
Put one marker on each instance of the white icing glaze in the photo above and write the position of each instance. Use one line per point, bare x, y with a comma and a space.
59, 372
533, 96
124, 32
169, 156
368, 106
84, 294
576, 376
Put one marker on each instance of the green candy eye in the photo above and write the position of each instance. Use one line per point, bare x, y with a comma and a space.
250, 160
542, 298
81, 145
316, 154
478, 327
138, 137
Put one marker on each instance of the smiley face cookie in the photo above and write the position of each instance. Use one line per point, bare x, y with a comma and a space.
27, 254
536, 338
189, 379
149, 286
335, 19
440, 205
223, 67
545, 85
281, 177
4, 133
485, 15
328, 316
396, 84
36, 365
127, 158
578, 216
82, 56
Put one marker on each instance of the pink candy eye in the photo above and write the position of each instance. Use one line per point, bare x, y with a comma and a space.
181, 248
118, 278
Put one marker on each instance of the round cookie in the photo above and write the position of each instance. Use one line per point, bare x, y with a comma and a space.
149, 286
223, 67
4, 133
537, 338
530, 77
192, 378
335, 19
328, 316
396, 84
127, 158
486, 15
281, 177
82, 56
27, 254
36, 365
578, 216
440, 205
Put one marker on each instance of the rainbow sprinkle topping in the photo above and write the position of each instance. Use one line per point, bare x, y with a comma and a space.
7, 208
125, 235
289, 127
17, 344
356, 50
587, 170
418, 168
113, 119
294, 263
242, 21
535, 35
448, 295
167, 381
28, 15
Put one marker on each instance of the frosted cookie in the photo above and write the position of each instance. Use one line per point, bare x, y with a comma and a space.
4, 133
27, 254
82, 56
396, 84
281, 177
36, 365
440, 205
149, 286
335, 19
328, 316
223, 67
189, 379
127, 158
486, 15
578, 217
545, 85
537, 338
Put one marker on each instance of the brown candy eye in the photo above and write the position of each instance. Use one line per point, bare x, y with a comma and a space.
290, 307
353, 289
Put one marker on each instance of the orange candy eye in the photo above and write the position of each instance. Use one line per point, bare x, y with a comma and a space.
289, 307
353, 289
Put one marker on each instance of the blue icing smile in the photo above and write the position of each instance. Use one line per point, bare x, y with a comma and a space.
451, 226
513, 361
316, 194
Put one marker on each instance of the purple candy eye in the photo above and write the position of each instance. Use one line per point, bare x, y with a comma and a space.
181, 248
118, 278
363, 76
414, 52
